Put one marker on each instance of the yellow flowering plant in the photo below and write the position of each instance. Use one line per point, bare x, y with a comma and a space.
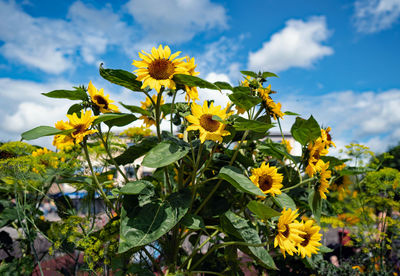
216, 179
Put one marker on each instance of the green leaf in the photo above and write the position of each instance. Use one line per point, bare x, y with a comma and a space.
244, 99
136, 187
42, 131
276, 150
135, 151
305, 131
241, 182
223, 85
262, 211
143, 225
122, 120
291, 113
247, 232
284, 201
194, 222
315, 202
249, 73
166, 108
324, 249
136, 109
333, 161
121, 77
109, 116
76, 179
256, 126
268, 75
165, 153
75, 108
8, 214
78, 94
193, 81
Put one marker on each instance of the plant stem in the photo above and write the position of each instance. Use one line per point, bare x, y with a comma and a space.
298, 184
172, 111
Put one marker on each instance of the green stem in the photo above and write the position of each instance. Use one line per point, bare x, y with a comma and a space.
152, 259
96, 181
172, 111
298, 184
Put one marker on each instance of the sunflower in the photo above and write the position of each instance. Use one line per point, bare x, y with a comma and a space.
287, 145
63, 141
341, 185
264, 93
326, 137
289, 231
202, 120
158, 68
311, 238
267, 179
274, 109
316, 150
324, 174
39, 152
148, 105
81, 125
191, 92
103, 102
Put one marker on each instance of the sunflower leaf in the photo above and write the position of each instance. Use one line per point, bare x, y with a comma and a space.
268, 75
241, 182
223, 85
284, 201
42, 131
75, 108
305, 131
249, 73
165, 153
315, 202
78, 94
193, 81
109, 116
136, 109
261, 210
137, 150
256, 126
243, 98
121, 77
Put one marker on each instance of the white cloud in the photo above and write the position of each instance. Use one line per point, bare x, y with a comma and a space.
176, 20
54, 45
372, 16
297, 45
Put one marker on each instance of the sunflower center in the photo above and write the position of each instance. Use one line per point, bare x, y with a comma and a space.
286, 232
265, 182
101, 101
79, 129
161, 69
306, 238
208, 123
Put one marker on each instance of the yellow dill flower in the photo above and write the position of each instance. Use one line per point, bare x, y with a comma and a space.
81, 125
139, 131
191, 92
63, 141
201, 119
289, 231
103, 102
323, 179
311, 239
267, 179
158, 68
39, 152
148, 105
287, 144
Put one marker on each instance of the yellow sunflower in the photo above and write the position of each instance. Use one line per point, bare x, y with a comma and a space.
264, 93
103, 102
316, 150
158, 68
201, 119
341, 185
311, 238
81, 125
324, 174
148, 105
191, 92
287, 145
63, 141
326, 137
267, 179
289, 231
274, 109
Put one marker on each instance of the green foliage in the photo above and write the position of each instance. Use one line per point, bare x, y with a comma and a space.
305, 131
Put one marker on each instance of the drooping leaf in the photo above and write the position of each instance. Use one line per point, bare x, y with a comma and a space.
123, 120
136, 109
290, 113
223, 85
276, 150
121, 77
315, 202
75, 108
135, 187
137, 150
194, 222
256, 126
193, 81
165, 153
244, 99
109, 116
249, 73
268, 75
248, 233
42, 131
305, 131
284, 201
262, 211
325, 249
241, 182
143, 225
78, 94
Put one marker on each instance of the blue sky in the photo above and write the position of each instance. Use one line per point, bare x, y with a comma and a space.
337, 60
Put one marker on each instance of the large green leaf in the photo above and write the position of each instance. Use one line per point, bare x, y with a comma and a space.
122, 120
244, 99
78, 94
143, 225
110, 116
75, 108
256, 126
7, 215
136, 109
268, 75
194, 222
137, 150
276, 150
249, 73
261, 210
223, 85
305, 131
315, 202
121, 77
193, 81
284, 201
42, 131
136, 187
247, 232
165, 153
241, 182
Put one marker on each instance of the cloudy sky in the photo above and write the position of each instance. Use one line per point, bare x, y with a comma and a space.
338, 60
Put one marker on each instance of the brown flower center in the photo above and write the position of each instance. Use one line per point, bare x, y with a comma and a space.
208, 123
161, 69
79, 129
265, 182
101, 101
287, 231
306, 238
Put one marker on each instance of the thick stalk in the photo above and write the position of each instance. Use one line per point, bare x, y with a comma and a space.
172, 111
